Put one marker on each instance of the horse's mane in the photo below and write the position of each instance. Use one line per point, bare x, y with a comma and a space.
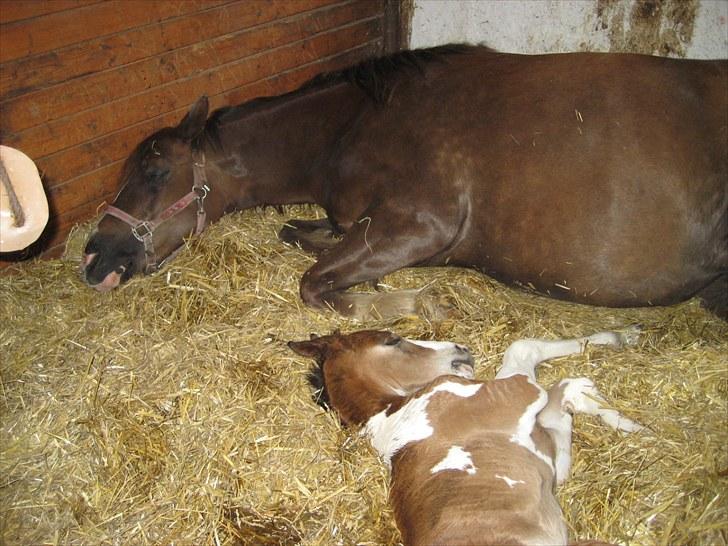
375, 77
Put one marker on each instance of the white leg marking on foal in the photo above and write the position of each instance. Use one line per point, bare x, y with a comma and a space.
390, 433
527, 421
456, 459
509, 481
582, 396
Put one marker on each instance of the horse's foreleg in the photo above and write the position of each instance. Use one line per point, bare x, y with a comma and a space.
368, 251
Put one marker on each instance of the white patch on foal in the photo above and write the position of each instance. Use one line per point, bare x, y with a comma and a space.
527, 421
581, 396
435, 345
508, 480
390, 433
456, 459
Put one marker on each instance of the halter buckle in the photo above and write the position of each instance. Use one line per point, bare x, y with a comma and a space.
142, 230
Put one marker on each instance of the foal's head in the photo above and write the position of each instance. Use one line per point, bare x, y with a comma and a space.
365, 371
159, 174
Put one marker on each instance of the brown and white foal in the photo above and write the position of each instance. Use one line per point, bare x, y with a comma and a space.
473, 462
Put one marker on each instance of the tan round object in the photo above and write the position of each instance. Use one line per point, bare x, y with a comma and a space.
28, 188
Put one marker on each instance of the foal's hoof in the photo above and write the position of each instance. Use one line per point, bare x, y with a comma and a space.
630, 335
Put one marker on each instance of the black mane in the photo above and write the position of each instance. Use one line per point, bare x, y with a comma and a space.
373, 76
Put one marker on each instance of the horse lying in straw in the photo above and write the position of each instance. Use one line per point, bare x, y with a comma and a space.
597, 178
473, 462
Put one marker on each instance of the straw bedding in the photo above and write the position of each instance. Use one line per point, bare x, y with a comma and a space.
171, 411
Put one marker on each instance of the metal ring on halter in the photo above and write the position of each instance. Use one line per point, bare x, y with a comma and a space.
148, 230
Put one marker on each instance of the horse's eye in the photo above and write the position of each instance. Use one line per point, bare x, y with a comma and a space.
156, 175
393, 340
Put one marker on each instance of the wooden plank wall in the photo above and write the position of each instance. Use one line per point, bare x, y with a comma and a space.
82, 81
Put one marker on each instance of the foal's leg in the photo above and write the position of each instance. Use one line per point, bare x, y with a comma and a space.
571, 396
371, 249
313, 236
522, 356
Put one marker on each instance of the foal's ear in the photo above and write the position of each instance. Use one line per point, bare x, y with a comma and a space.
194, 122
312, 348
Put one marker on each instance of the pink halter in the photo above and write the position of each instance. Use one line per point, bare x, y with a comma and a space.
143, 230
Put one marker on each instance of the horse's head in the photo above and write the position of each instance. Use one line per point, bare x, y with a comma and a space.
364, 371
161, 202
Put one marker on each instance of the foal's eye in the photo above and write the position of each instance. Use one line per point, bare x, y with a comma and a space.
393, 340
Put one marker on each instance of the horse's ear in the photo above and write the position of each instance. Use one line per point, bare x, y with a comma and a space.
312, 348
194, 122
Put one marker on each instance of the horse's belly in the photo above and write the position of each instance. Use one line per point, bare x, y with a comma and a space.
612, 270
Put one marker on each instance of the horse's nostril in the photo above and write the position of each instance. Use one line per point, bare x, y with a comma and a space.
87, 259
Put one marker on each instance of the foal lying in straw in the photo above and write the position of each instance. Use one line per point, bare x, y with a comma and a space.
473, 462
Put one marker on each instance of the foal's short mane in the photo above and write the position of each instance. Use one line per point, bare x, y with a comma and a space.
316, 380
373, 76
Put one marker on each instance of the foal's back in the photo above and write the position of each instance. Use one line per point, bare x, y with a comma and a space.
469, 483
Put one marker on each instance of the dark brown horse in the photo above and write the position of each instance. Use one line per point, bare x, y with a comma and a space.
597, 178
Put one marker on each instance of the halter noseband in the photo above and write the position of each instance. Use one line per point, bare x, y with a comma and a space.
143, 230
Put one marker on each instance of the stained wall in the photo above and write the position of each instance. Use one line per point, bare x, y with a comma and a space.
678, 28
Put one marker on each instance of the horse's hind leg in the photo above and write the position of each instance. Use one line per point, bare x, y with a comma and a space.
714, 297
571, 396
313, 236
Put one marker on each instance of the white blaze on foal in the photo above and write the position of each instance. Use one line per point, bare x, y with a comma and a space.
461, 450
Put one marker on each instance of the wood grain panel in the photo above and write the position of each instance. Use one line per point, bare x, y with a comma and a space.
60, 29
60, 65
103, 87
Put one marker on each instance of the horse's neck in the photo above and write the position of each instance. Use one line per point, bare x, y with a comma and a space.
278, 151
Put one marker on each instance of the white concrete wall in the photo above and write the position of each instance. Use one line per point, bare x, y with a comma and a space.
549, 26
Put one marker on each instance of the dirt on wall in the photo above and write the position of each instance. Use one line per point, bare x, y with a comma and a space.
659, 27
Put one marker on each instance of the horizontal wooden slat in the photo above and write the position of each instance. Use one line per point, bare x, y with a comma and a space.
60, 29
17, 10
43, 140
98, 88
61, 65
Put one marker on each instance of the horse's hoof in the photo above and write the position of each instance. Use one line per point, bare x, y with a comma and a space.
434, 307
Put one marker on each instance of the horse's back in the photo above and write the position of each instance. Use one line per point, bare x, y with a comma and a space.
593, 177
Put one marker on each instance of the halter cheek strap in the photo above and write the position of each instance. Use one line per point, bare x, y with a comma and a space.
143, 230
